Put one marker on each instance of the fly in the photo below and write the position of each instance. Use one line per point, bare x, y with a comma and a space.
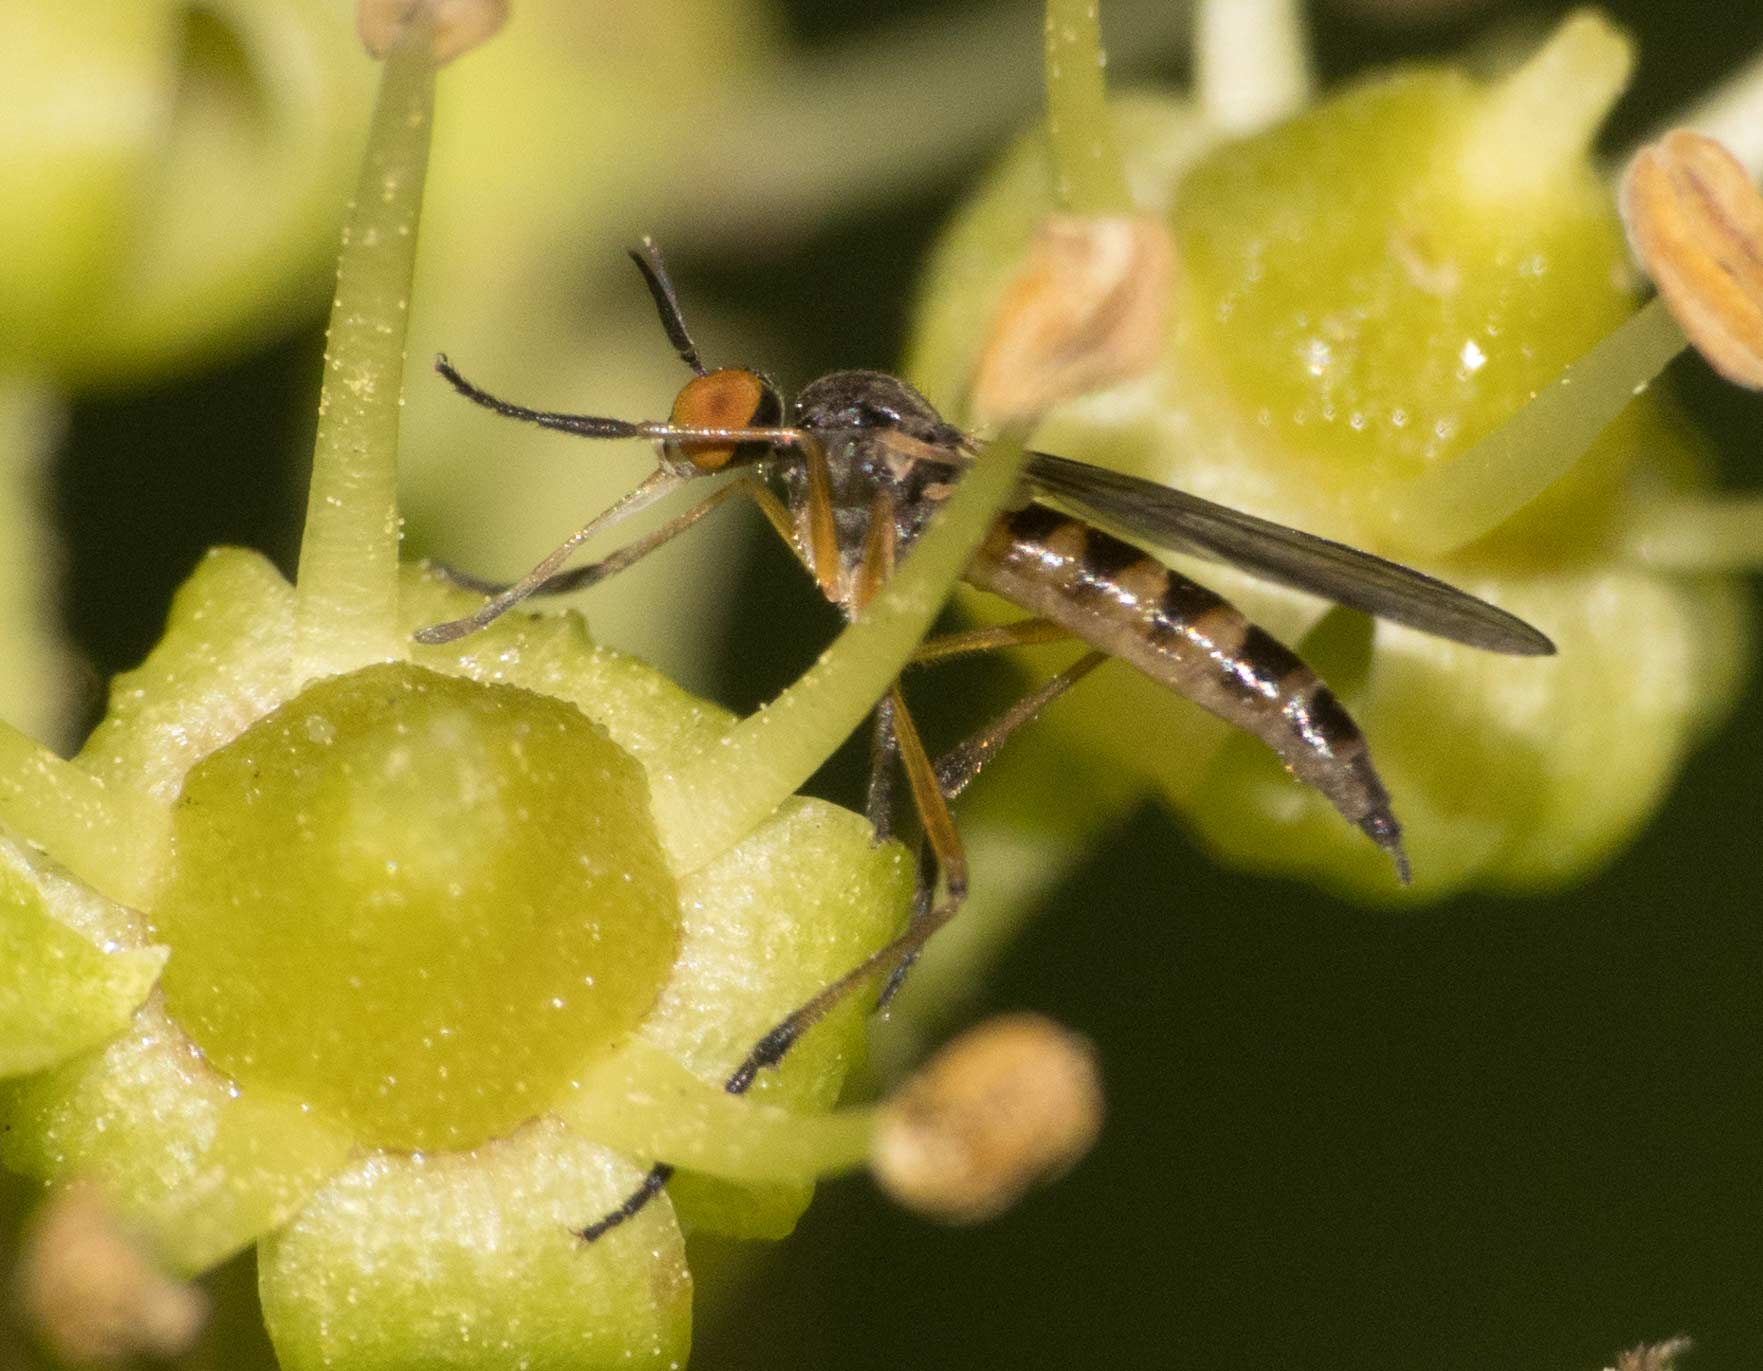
852, 480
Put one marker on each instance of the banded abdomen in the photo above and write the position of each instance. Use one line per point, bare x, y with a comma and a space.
1129, 605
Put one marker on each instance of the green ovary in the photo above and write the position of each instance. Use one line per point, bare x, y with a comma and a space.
1373, 317
416, 903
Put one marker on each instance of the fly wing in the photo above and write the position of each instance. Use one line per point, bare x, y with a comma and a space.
1186, 523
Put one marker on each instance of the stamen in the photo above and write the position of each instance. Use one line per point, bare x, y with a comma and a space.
1454, 504
1251, 64
1696, 223
346, 591
1008, 1105
91, 1292
1085, 310
1089, 176
1654, 1356
459, 25
643, 1101
1731, 114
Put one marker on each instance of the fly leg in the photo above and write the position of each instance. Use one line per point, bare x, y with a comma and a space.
945, 855
1022, 633
884, 749
932, 786
884, 758
546, 579
957, 768
895, 741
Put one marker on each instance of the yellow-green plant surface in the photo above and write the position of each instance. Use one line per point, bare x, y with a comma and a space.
1369, 296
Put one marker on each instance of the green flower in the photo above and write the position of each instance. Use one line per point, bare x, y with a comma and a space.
406, 963
1402, 318
128, 125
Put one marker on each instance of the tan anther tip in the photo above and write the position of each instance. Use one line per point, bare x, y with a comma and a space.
1085, 310
1695, 221
1656, 1356
1009, 1104
460, 25
92, 1295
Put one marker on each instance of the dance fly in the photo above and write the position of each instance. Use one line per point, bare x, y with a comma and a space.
851, 477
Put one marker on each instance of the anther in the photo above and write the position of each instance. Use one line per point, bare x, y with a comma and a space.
1010, 1104
91, 1292
1086, 310
460, 25
1695, 221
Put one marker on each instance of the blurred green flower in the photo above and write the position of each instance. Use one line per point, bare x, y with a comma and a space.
171, 176
1373, 305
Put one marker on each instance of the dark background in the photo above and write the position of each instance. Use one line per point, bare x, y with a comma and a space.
1495, 1133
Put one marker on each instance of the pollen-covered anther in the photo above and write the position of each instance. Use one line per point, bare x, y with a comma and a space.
1654, 1356
1695, 221
460, 25
1010, 1104
92, 1295
1085, 310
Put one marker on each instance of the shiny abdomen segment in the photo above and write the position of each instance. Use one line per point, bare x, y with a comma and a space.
1119, 599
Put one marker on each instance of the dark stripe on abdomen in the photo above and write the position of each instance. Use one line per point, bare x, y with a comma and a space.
1174, 630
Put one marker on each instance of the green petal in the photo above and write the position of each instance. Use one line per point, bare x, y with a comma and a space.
467, 1260
551, 654
794, 906
60, 992
981, 250
221, 665
202, 1168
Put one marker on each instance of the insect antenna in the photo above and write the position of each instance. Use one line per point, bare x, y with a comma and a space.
690, 436
582, 425
648, 258
661, 482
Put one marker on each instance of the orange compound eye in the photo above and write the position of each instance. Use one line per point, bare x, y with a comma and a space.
730, 398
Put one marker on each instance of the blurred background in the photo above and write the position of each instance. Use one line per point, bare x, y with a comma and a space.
1488, 1133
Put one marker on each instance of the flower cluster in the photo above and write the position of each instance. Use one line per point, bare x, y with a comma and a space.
405, 963
1404, 318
